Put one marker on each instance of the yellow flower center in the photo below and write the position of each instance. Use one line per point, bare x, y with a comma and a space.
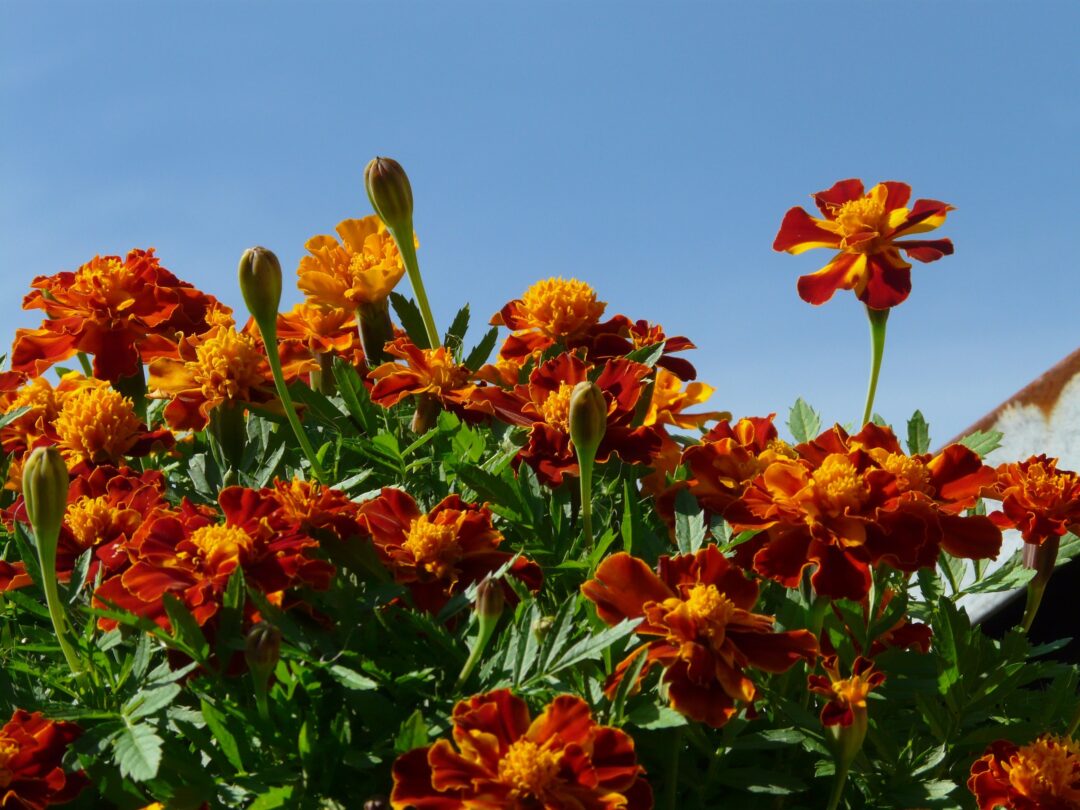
104, 276
8, 750
778, 447
97, 423
838, 486
561, 307
710, 609
861, 216
911, 474
375, 270
216, 544
38, 395
433, 545
446, 375
1043, 483
852, 691
556, 408
528, 769
228, 365
1048, 768
90, 520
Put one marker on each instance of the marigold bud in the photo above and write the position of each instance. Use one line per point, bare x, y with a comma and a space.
260, 283
390, 193
542, 627
489, 599
588, 417
45, 489
262, 648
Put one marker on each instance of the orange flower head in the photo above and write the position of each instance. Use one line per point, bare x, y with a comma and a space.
228, 365
1037, 498
556, 407
501, 757
97, 424
867, 230
363, 268
430, 372
42, 402
1042, 775
847, 696
218, 544
556, 308
90, 519
434, 545
670, 400
31, 751
699, 626
837, 486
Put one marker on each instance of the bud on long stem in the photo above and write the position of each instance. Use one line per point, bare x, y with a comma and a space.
262, 649
1042, 558
45, 490
260, 282
489, 607
588, 424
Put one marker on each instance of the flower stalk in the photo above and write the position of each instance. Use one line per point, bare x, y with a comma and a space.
878, 318
588, 424
260, 283
489, 607
1042, 558
262, 649
45, 489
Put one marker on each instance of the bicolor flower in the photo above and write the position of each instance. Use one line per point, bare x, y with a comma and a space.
32, 776
1042, 775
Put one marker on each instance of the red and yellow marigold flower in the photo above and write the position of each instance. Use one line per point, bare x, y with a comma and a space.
501, 757
846, 705
1037, 499
439, 553
552, 311
670, 400
1042, 775
428, 372
188, 553
317, 508
849, 502
363, 268
868, 230
32, 776
308, 333
543, 405
219, 368
111, 308
106, 506
698, 613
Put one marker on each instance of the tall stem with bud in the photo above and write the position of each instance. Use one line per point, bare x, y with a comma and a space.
489, 607
588, 424
878, 318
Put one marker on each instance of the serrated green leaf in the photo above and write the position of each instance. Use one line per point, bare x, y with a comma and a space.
151, 701
216, 722
482, 350
411, 319
983, 442
351, 679
918, 434
184, 626
647, 355
273, 798
689, 522
412, 734
137, 752
803, 421
456, 333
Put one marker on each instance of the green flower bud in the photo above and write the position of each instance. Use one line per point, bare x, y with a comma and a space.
45, 490
489, 599
390, 193
262, 648
588, 418
542, 627
260, 282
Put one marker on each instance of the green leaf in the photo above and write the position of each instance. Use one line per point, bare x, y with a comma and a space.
355, 396
215, 720
151, 701
482, 351
689, 523
79, 572
413, 733
651, 716
803, 421
647, 355
411, 319
137, 752
351, 679
983, 442
456, 333
918, 434
11, 416
1012, 574
184, 626
590, 647
273, 798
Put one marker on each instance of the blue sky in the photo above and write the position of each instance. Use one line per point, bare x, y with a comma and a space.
650, 149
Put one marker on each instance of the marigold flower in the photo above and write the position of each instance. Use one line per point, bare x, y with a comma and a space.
437, 554
308, 333
502, 758
670, 400
699, 611
111, 308
31, 751
556, 308
362, 268
219, 367
1042, 775
430, 372
187, 553
318, 508
543, 405
1037, 499
845, 714
867, 230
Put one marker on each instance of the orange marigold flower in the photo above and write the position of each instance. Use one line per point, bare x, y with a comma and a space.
555, 308
187, 553
699, 611
362, 268
111, 308
847, 696
670, 400
437, 554
42, 403
105, 507
502, 758
543, 405
219, 367
433, 372
1037, 499
1042, 775
308, 333
317, 508
31, 774
867, 230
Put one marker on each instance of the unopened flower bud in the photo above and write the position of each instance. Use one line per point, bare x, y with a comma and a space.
588, 417
390, 193
542, 626
45, 490
489, 599
262, 648
260, 282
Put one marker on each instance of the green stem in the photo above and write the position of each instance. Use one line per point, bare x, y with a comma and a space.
56, 611
585, 466
671, 783
483, 636
269, 336
838, 786
877, 317
1035, 590
84, 361
407, 249
260, 698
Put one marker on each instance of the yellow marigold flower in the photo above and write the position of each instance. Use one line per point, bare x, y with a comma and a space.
669, 400
360, 269
1042, 774
97, 424
556, 307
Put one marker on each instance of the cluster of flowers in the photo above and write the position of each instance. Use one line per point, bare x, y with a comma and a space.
828, 511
